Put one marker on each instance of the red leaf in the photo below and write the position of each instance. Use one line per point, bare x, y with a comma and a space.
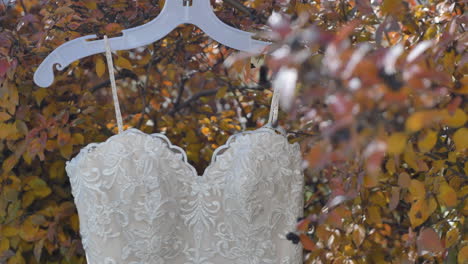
4, 66
303, 225
307, 243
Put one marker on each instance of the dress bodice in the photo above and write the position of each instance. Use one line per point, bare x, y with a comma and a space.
140, 201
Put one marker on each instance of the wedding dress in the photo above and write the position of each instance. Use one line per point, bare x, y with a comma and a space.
139, 201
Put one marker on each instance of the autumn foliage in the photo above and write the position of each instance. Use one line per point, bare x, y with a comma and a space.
375, 92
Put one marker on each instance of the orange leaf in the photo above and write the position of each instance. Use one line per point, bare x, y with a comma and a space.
419, 120
113, 28
205, 131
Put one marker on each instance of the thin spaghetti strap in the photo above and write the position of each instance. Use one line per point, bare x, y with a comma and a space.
273, 119
110, 65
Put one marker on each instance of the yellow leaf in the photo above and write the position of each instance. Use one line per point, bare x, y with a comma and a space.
40, 94
463, 191
358, 235
421, 210
371, 180
42, 191
427, 141
74, 222
305, 8
392, 6
16, 259
64, 10
193, 48
390, 166
28, 199
374, 215
464, 85
7, 130
221, 92
4, 116
431, 32
9, 163
28, 230
57, 169
458, 119
77, 139
452, 237
4, 244
66, 151
417, 190
9, 231
460, 138
396, 143
449, 60
91, 5
123, 63
447, 195
463, 255
38, 186
100, 67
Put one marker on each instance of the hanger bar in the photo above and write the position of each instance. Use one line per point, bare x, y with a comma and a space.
173, 14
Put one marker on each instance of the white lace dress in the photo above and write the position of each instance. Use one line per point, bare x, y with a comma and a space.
140, 202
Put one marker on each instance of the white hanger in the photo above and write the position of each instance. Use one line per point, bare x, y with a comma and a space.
173, 14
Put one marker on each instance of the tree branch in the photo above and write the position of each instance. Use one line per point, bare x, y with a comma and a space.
248, 11
211, 92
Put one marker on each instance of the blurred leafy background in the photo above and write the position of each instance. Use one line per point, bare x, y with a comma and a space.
374, 90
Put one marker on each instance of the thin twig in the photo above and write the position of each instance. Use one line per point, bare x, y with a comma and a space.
211, 92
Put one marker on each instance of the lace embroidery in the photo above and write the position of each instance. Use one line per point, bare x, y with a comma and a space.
140, 201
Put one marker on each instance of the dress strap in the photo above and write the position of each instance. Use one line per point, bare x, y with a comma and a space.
273, 119
110, 65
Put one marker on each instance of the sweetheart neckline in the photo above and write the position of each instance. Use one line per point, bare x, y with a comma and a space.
266, 128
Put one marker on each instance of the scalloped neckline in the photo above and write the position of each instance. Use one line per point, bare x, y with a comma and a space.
266, 128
